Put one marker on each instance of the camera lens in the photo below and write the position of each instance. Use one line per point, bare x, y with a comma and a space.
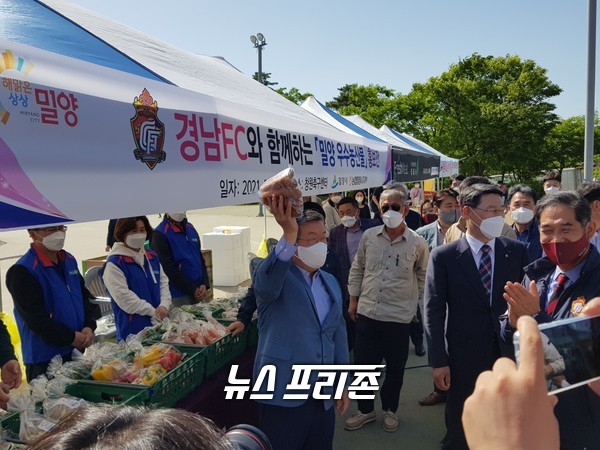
248, 437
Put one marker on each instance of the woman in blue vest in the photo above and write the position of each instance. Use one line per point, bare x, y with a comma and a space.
177, 244
134, 278
52, 307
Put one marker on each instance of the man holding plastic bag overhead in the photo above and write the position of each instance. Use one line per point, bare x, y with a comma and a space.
300, 322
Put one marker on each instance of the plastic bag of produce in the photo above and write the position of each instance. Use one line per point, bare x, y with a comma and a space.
286, 185
150, 375
21, 400
39, 388
33, 425
78, 369
56, 386
61, 407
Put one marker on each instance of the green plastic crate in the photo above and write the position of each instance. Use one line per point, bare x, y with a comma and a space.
104, 392
224, 351
180, 381
11, 424
251, 331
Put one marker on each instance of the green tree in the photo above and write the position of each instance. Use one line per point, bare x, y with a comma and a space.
565, 142
266, 79
374, 102
293, 95
492, 112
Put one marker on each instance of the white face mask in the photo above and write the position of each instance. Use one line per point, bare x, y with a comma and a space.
336, 199
136, 240
551, 189
392, 219
522, 215
313, 256
348, 221
359, 198
55, 241
177, 216
491, 227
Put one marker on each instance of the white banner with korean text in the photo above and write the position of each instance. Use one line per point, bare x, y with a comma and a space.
80, 142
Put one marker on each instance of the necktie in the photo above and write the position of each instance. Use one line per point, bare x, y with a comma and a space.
485, 269
560, 287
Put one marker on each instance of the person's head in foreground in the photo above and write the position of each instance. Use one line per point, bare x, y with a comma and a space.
132, 428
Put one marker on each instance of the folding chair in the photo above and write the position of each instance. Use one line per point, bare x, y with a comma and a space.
95, 284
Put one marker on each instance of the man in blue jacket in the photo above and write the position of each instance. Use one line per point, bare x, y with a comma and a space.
52, 307
556, 287
300, 322
177, 245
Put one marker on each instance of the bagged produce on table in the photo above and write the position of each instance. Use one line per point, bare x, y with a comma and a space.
61, 407
109, 371
38, 388
150, 375
286, 185
21, 400
170, 359
56, 386
33, 425
105, 352
78, 369
151, 355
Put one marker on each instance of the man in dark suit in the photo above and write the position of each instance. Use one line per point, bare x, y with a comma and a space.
463, 302
300, 322
343, 241
557, 286
445, 204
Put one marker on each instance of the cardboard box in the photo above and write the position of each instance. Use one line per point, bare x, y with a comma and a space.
97, 261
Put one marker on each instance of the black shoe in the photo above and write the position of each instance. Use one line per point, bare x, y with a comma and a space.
433, 399
420, 351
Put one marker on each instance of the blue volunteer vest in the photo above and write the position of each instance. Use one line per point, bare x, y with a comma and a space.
63, 302
139, 281
185, 251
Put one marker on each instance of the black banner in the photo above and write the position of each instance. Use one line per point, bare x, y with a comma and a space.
409, 165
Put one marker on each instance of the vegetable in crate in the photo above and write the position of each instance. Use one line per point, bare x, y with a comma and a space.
286, 185
151, 375
170, 359
105, 372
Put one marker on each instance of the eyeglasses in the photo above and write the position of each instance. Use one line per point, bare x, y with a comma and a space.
396, 207
53, 229
495, 212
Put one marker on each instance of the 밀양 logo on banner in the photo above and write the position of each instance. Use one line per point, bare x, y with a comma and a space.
148, 131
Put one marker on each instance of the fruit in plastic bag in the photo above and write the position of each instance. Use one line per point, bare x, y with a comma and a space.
105, 372
286, 185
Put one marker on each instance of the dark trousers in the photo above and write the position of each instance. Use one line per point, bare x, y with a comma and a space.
465, 366
376, 340
416, 330
305, 427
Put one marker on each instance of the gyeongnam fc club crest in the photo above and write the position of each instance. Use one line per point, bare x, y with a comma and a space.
148, 131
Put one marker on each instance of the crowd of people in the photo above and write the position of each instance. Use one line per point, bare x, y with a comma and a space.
461, 270
465, 267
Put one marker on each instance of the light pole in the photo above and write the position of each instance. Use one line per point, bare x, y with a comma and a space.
259, 42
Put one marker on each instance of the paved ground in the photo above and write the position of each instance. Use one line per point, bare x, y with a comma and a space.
420, 427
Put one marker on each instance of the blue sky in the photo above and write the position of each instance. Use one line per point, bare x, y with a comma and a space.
318, 46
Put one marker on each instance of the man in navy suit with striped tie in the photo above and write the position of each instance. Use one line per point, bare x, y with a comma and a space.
463, 301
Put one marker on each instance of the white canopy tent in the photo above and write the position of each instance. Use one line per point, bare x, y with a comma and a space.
98, 120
